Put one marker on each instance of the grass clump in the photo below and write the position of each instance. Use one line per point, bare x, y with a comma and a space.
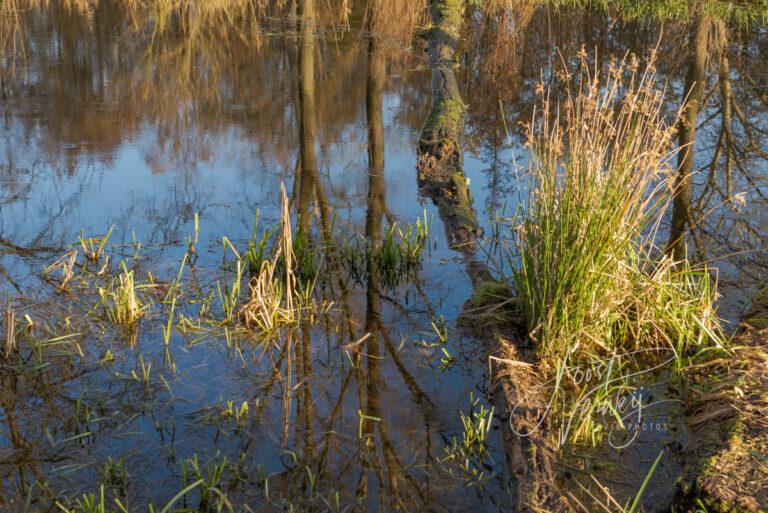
589, 271
278, 298
121, 302
395, 259
594, 291
93, 247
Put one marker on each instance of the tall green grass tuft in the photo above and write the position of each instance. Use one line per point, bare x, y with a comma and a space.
590, 277
121, 301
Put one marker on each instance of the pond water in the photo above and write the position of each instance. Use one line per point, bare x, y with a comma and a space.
117, 116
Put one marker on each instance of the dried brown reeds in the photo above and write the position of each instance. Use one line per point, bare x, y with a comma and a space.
276, 298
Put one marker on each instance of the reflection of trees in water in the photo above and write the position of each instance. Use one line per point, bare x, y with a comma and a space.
180, 85
53, 410
184, 70
710, 62
190, 70
723, 156
376, 455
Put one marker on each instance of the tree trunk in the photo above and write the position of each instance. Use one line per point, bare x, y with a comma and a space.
693, 97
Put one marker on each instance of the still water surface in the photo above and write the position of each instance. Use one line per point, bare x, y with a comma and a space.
112, 120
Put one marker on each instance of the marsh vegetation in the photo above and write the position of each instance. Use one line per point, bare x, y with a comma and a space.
291, 255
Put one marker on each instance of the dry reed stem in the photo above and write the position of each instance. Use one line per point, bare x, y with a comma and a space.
275, 301
66, 264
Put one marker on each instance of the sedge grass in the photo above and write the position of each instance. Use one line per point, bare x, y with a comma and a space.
609, 504
590, 281
257, 247
589, 271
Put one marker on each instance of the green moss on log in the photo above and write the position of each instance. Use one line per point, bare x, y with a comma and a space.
490, 307
490, 293
447, 13
463, 212
444, 124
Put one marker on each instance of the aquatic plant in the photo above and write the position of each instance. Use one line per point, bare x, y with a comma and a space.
609, 503
306, 258
229, 294
470, 453
395, 259
208, 475
257, 247
590, 275
66, 267
120, 300
594, 290
276, 297
93, 503
93, 247
238, 413
144, 374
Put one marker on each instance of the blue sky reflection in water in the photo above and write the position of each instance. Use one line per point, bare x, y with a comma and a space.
95, 133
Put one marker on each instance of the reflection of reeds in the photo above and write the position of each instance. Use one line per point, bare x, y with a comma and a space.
395, 20
12, 28
209, 65
11, 35
10, 332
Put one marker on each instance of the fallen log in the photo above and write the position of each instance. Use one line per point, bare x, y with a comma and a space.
529, 462
440, 162
519, 397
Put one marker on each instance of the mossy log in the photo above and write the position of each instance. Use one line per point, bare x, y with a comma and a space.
440, 172
529, 462
518, 395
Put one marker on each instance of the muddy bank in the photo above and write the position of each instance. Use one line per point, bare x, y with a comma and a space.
727, 407
713, 443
